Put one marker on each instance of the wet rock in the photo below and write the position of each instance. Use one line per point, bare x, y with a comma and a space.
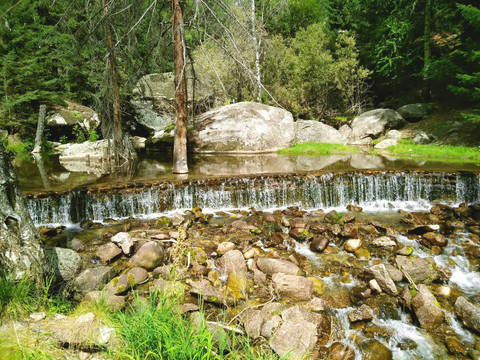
426, 308
177, 219
362, 292
206, 291
294, 338
252, 321
299, 234
125, 241
468, 313
454, 346
372, 349
421, 270
362, 254
374, 285
383, 279
348, 218
443, 291
434, 239
237, 285
108, 252
224, 247
339, 351
422, 229
292, 287
113, 302
318, 285
383, 242
242, 225
64, 262
395, 274
317, 304
352, 245
299, 313
93, 278
318, 227
338, 300
232, 260
354, 208
363, 313
76, 245
274, 266
319, 244
149, 256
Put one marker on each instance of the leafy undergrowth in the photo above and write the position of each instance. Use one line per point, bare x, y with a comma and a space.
314, 148
443, 153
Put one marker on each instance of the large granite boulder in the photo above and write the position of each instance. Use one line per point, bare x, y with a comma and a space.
315, 131
414, 112
89, 156
245, 127
373, 124
153, 100
61, 119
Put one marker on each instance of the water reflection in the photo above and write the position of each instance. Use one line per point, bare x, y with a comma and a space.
48, 173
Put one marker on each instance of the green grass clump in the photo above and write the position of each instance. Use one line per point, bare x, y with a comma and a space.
314, 148
441, 152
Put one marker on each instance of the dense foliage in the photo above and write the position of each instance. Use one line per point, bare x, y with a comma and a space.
316, 58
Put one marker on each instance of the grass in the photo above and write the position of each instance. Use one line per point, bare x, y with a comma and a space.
436, 152
314, 148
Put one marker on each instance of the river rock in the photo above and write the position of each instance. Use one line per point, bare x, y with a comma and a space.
225, 246
372, 349
295, 339
292, 287
422, 229
383, 279
149, 256
339, 351
316, 131
352, 245
108, 252
93, 278
319, 244
206, 291
232, 260
468, 313
374, 123
64, 262
252, 321
434, 239
125, 241
113, 302
426, 308
394, 135
383, 242
243, 127
414, 112
421, 270
273, 266
363, 313
421, 137
237, 284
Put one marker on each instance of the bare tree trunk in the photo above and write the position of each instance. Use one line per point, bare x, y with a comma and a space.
256, 42
21, 254
427, 48
40, 126
180, 139
117, 115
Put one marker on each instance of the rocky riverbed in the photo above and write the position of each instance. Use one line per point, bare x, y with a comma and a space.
352, 285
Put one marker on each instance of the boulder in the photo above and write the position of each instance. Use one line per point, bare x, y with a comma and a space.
383, 279
373, 124
372, 349
206, 291
93, 278
316, 131
421, 137
363, 313
65, 117
89, 156
252, 321
421, 270
415, 112
382, 145
274, 266
149, 256
108, 252
295, 339
232, 260
293, 287
434, 239
319, 244
468, 312
394, 135
340, 351
246, 127
113, 302
125, 241
426, 308
65, 262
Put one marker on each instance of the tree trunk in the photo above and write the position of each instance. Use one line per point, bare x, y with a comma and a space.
180, 139
256, 44
427, 49
117, 115
40, 126
21, 254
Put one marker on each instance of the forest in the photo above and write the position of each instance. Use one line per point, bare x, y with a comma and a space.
318, 59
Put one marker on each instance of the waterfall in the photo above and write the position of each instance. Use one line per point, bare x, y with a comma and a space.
373, 190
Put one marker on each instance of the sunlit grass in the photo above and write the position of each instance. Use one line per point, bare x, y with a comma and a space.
314, 148
436, 152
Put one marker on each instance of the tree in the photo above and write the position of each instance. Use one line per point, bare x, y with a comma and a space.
21, 254
180, 140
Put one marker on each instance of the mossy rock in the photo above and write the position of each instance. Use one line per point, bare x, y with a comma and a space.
164, 221
237, 285
318, 285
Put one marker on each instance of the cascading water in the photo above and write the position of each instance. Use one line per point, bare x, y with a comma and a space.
373, 191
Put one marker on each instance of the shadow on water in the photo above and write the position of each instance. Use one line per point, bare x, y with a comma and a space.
48, 173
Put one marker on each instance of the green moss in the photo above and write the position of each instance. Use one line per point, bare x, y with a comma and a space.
409, 250
413, 291
255, 231
169, 128
315, 149
164, 221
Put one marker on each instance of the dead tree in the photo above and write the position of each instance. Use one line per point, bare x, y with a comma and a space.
180, 140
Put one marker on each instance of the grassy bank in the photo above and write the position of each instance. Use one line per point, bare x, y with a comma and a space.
315, 149
446, 153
